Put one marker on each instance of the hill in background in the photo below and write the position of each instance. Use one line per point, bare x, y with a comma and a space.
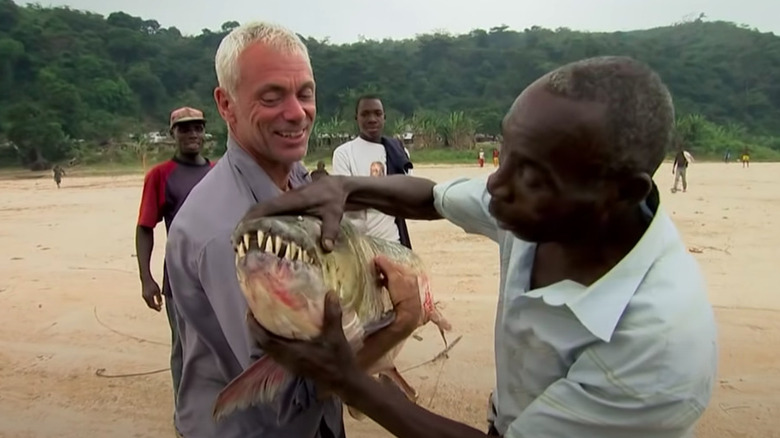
72, 82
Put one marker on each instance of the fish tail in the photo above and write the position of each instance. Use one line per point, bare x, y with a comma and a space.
257, 384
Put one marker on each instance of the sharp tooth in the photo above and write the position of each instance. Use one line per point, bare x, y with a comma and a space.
246, 241
266, 236
260, 236
282, 250
241, 250
294, 251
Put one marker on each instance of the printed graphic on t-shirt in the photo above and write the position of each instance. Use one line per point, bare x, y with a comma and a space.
359, 157
378, 168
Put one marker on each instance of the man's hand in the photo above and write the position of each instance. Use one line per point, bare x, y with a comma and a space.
327, 359
326, 199
150, 291
404, 291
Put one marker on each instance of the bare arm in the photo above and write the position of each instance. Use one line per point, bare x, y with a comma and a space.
402, 418
144, 244
404, 196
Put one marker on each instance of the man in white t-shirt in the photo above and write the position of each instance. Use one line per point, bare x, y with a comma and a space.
367, 155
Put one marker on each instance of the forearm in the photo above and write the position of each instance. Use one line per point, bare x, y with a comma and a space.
144, 244
403, 196
393, 411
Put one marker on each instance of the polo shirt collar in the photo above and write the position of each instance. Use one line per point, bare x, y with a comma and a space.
600, 306
258, 181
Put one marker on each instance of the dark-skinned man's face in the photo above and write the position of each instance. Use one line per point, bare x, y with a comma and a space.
189, 137
371, 118
550, 184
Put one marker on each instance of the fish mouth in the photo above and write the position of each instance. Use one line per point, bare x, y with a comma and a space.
281, 274
282, 247
284, 237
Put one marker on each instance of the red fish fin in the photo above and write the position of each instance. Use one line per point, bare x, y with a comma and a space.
257, 384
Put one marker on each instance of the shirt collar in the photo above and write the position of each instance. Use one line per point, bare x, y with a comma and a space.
255, 177
600, 306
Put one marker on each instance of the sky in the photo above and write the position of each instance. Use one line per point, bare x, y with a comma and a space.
344, 21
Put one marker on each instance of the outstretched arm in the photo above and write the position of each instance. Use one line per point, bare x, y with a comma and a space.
395, 195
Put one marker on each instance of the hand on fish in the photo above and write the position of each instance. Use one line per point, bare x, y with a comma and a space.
325, 199
329, 359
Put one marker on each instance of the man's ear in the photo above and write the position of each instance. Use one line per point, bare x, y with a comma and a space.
224, 105
633, 189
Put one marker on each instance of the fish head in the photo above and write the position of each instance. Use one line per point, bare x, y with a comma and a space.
285, 275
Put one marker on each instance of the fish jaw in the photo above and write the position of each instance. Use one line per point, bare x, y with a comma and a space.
284, 275
286, 297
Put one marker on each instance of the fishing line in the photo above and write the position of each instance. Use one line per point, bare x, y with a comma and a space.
101, 372
94, 312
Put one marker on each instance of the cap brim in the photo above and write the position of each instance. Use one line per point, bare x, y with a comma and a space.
188, 119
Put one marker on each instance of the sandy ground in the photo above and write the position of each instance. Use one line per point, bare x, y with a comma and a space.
71, 305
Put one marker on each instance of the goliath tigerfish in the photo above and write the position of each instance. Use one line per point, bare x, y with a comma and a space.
284, 275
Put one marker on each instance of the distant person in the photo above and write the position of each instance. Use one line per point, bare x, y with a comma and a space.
495, 157
727, 156
680, 169
58, 172
745, 158
166, 186
481, 158
358, 156
319, 172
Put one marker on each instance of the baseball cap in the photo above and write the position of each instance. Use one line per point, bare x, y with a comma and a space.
186, 114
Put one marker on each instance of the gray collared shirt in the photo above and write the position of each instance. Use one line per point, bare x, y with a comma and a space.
211, 310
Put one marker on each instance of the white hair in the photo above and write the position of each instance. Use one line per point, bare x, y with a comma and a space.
272, 35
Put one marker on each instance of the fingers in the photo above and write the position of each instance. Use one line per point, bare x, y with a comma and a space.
331, 225
149, 301
269, 342
383, 264
153, 301
332, 312
291, 202
391, 270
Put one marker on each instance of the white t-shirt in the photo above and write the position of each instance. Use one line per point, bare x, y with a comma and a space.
359, 157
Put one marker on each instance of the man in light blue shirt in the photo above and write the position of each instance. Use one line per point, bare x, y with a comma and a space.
603, 326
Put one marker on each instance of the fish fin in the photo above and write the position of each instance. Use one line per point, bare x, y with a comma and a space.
441, 323
394, 376
257, 384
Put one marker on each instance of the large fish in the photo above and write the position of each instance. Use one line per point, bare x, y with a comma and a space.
285, 275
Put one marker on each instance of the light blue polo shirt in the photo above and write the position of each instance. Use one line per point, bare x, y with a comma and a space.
633, 355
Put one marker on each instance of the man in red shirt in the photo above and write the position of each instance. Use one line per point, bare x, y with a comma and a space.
166, 186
